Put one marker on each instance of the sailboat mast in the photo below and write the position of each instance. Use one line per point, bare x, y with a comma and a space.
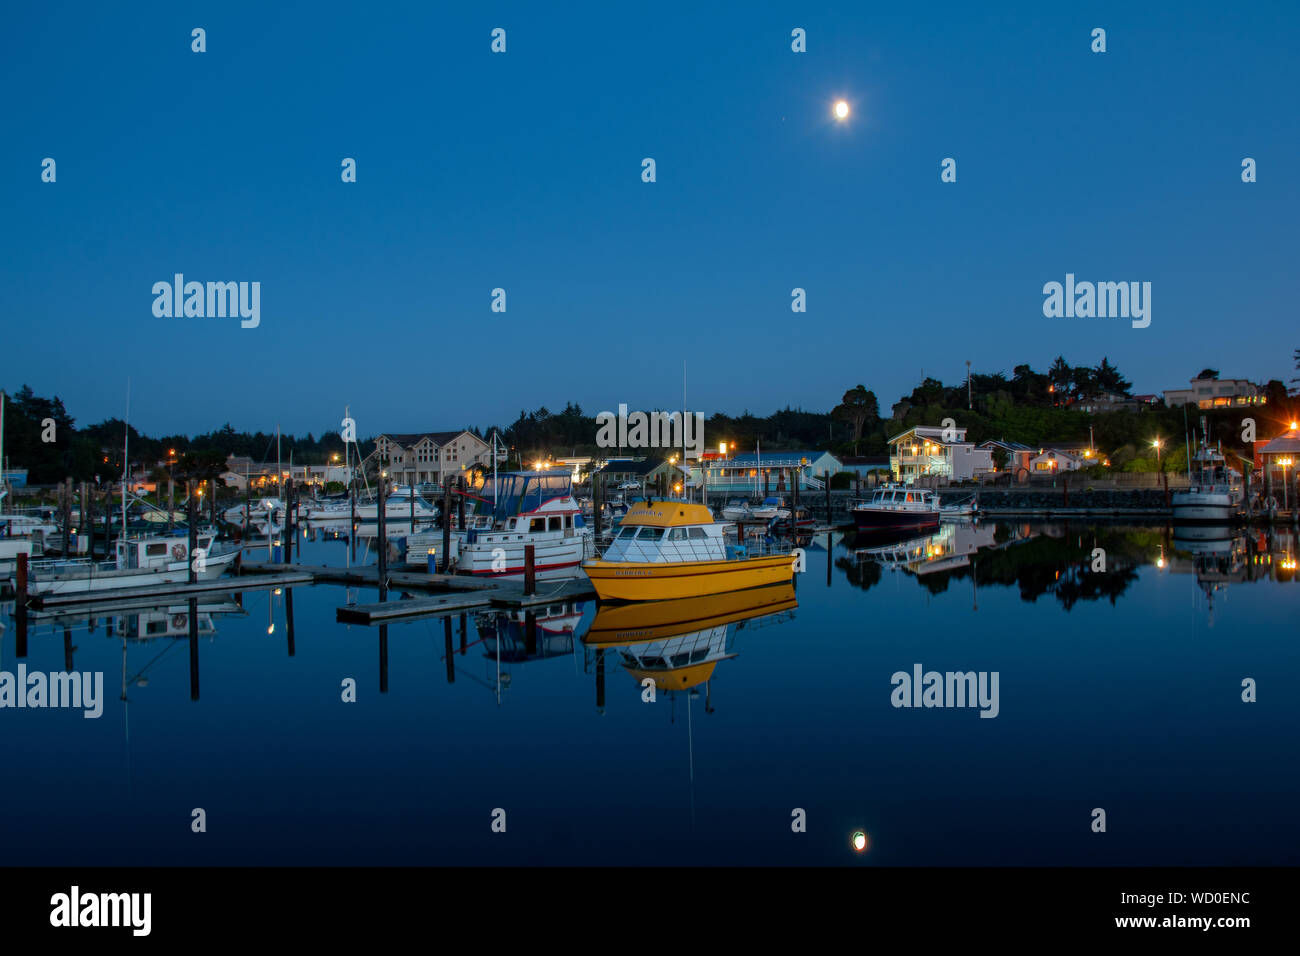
126, 456
279, 473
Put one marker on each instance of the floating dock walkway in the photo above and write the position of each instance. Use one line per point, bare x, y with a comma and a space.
459, 592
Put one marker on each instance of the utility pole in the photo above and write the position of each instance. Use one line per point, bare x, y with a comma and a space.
969, 403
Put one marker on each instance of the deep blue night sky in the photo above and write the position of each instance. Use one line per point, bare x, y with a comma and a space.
523, 171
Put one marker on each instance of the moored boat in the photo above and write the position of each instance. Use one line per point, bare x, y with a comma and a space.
898, 508
1216, 493
673, 549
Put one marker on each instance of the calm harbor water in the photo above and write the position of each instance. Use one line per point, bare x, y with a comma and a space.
1120, 690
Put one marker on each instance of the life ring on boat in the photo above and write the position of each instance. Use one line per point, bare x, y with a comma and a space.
179, 620
178, 552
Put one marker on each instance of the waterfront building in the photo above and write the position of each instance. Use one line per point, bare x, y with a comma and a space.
641, 475
933, 452
1216, 393
1019, 456
746, 472
1277, 460
1050, 461
429, 458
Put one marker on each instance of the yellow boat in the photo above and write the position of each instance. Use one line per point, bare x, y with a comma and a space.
673, 549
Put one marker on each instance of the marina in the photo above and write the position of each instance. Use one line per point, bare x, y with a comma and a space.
742, 679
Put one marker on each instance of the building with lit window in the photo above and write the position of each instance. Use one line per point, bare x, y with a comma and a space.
429, 457
933, 452
1216, 393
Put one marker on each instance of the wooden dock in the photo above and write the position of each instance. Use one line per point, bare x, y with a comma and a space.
368, 576
504, 596
163, 593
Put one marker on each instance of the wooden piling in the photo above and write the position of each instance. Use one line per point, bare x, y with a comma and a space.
193, 539
530, 573
597, 506
67, 648
287, 552
460, 502
446, 527
828, 502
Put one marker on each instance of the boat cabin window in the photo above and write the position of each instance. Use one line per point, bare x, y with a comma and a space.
651, 534
628, 532
909, 497
697, 533
155, 550
555, 523
677, 534
537, 524
510, 525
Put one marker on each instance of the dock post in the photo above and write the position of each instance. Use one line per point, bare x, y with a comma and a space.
530, 573
352, 528
20, 605
460, 502
67, 648
1065, 488
381, 550
288, 524
193, 540
829, 521
596, 506
530, 632
411, 489
463, 645
446, 526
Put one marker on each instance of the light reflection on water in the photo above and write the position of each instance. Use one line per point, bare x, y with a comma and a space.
1119, 689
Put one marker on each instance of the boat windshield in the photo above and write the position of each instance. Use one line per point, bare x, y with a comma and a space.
527, 492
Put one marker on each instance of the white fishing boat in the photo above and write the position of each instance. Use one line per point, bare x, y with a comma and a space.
531, 508
263, 509
397, 505
1216, 494
737, 509
772, 507
151, 559
10, 548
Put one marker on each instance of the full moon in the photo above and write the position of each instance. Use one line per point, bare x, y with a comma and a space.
841, 110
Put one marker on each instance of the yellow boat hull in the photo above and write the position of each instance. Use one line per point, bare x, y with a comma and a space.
663, 581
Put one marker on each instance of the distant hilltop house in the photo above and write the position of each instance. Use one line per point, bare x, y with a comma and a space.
1216, 393
429, 457
940, 453
1062, 458
1115, 402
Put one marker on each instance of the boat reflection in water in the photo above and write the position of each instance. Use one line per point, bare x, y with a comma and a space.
677, 644
1220, 555
952, 546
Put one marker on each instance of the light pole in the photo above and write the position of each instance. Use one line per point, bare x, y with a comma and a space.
1156, 445
171, 486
